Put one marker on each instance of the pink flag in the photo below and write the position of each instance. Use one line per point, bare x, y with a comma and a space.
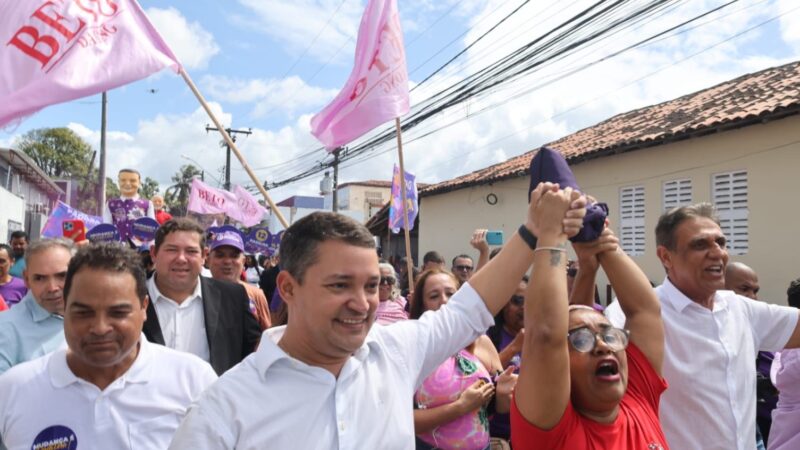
204, 199
248, 210
53, 51
377, 89
239, 205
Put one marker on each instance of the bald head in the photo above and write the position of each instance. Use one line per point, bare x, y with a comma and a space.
742, 279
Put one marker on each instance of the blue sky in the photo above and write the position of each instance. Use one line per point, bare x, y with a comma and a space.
270, 65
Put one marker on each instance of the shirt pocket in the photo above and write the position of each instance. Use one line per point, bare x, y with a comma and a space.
154, 434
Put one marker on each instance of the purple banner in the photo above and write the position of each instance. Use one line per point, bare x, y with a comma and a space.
396, 207
258, 241
62, 212
105, 232
144, 229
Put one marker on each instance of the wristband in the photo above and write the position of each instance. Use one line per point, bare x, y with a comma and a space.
527, 236
552, 249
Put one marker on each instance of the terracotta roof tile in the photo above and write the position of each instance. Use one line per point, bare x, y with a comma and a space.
753, 98
368, 183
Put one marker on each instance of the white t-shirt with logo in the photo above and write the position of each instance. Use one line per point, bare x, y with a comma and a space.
43, 405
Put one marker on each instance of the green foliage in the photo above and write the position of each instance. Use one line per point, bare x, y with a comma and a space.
177, 195
59, 152
112, 190
149, 188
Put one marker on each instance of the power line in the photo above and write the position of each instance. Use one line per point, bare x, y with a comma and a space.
578, 106
660, 36
581, 28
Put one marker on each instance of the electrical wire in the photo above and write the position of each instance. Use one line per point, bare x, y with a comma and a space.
590, 25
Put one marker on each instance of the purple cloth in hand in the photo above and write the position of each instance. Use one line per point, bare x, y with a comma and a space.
550, 165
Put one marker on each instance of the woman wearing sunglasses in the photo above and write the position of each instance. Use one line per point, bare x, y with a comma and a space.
392, 306
584, 384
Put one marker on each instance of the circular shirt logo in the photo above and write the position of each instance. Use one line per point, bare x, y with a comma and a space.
56, 437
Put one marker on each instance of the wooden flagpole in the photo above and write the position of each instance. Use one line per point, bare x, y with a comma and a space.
409, 258
233, 147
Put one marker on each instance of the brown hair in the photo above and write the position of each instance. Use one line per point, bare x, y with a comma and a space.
417, 305
179, 224
298, 248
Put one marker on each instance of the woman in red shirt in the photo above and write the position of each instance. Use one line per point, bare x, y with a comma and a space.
584, 384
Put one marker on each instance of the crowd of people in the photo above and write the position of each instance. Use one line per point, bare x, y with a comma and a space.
194, 344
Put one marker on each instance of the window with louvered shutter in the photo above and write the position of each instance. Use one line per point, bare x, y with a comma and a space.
676, 193
729, 193
631, 207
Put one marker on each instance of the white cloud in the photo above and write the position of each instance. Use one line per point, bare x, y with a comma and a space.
326, 30
158, 153
297, 23
635, 79
192, 44
527, 120
288, 95
790, 22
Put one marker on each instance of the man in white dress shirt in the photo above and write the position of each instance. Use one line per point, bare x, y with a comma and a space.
110, 389
712, 337
329, 379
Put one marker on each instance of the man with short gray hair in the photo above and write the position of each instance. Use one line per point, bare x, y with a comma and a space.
35, 326
712, 336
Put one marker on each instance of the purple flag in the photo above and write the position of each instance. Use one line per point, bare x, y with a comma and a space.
62, 212
396, 207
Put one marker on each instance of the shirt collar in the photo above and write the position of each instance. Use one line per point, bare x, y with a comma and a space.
680, 301
139, 372
156, 295
135, 197
38, 314
269, 352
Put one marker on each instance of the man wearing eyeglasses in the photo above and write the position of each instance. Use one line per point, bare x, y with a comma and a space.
462, 268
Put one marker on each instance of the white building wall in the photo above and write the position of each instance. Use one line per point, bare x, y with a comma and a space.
12, 211
770, 153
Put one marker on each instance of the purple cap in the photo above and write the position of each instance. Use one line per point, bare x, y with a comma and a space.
228, 237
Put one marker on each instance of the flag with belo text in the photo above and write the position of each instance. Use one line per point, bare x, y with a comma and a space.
53, 51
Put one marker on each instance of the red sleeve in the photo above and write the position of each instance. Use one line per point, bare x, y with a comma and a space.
3, 304
566, 434
643, 381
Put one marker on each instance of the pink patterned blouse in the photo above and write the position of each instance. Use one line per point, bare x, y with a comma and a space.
443, 386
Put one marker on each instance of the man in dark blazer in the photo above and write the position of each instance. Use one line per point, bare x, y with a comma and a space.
191, 313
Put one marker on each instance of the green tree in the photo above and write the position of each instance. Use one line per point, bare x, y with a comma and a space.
177, 195
59, 152
112, 190
149, 188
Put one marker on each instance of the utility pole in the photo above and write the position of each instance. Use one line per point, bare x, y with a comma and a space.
101, 188
336, 178
232, 132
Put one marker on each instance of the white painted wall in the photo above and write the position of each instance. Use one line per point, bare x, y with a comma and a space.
12, 208
769, 152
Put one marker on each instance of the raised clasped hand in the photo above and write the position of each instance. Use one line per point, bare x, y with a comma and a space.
555, 212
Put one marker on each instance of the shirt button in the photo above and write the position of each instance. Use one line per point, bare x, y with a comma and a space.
341, 425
